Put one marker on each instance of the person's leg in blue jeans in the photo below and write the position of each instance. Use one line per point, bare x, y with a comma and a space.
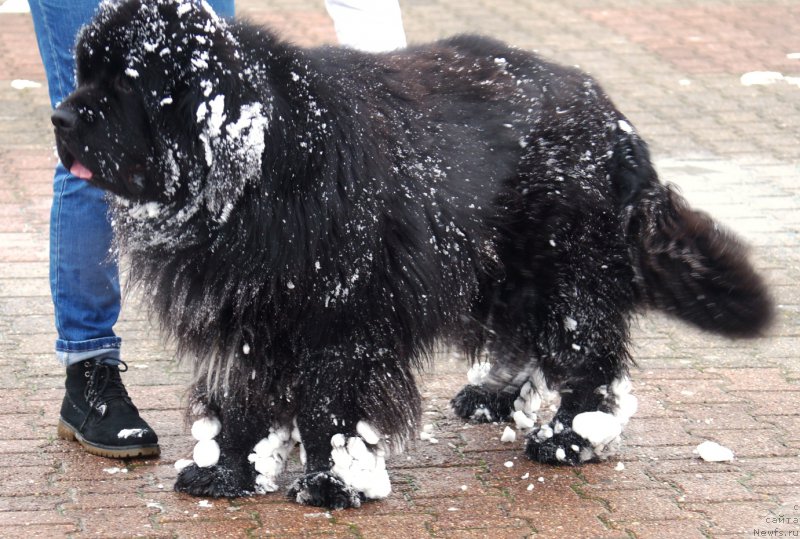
83, 275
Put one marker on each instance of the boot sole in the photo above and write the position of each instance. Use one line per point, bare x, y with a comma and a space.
66, 432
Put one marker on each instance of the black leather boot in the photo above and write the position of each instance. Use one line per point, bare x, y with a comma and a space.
99, 414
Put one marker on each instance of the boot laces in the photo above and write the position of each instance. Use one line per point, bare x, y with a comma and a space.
104, 385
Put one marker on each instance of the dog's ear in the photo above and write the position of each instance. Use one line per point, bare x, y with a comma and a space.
226, 137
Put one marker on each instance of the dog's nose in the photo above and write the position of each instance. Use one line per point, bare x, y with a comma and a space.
64, 119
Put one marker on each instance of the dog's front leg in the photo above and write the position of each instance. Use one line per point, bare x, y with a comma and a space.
344, 453
224, 434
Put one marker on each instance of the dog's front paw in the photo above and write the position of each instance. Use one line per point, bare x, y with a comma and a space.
213, 481
323, 489
477, 403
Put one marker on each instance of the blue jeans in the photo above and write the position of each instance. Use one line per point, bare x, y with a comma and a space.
84, 279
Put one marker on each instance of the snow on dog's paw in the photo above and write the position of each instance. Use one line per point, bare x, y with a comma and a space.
206, 451
361, 465
565, 447
269, 458
323, 489
602, 431
589, 436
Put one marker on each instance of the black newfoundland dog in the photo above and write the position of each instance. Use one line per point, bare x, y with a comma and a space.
310, 223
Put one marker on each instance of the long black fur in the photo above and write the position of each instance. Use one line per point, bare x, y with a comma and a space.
462, 191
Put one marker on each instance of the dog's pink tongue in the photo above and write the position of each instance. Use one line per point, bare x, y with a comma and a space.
80, 171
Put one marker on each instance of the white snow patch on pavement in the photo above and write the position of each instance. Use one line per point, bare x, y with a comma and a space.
765, 78
15, 6
713, 452
22, 84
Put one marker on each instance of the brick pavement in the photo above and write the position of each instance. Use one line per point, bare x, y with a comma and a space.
674, 67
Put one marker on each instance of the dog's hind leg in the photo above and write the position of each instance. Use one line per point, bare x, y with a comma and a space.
581, 330
357, 401
497, 393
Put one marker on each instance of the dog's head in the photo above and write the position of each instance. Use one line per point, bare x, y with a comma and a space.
161, 105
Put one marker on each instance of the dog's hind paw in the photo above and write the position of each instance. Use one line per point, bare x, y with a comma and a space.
477, 403
566, 448
323, 489
557, 443
213, 481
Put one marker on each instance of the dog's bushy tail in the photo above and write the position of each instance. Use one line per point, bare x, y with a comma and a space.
684, 263
688, 265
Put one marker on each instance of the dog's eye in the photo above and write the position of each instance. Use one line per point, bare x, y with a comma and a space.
123, 85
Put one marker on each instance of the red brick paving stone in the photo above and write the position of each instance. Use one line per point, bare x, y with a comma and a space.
651, 406
696, 391
416, 483
709, 417
41, 502
99, 474
423, 453
649, 432
652, 376
294, 25
45, 531
28, 459
19, 425
660, 453
771, 483
284, 519
383, 526
552, 505
789, 425
630, 505
396, 504
114, 521
777, 465
173, 448
604, 476
772, 403
21, 446
15, 35
23, 247
167, 422
89, 501
752, 443
471, 514
733, 518
486, 437
722, 39
31, 481
27, 518
170, 507
558, 518
669, 529
712, 487
748, 379
25, 306
228, 529
524, 472
91, 489
503, 533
